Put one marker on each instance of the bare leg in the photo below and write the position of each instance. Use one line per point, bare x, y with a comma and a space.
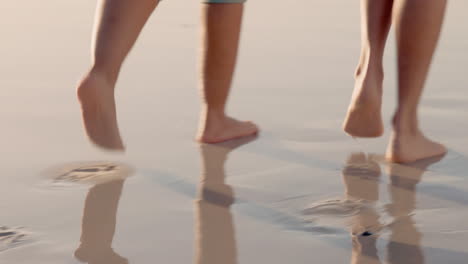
418, 25
364, 113
222, 25
118, 24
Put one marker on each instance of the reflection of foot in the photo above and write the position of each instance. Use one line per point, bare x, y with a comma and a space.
213, 188
99, 255
364, 113
361, 176
411, 147
217, 130
404, 179
217, 193
96, 96
214, 156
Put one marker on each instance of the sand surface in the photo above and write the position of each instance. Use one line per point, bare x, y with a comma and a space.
303, 192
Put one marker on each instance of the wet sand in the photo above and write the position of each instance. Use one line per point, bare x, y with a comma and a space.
303, 192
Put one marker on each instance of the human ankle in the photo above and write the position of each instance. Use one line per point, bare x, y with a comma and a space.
213, 113
405, 123
110, 76
370, 69
370, 63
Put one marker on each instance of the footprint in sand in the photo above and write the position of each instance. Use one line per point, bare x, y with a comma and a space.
12, 238
338, 208
93, 172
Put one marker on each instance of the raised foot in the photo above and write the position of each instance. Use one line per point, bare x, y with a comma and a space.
407, 148
96, 96
364, 121
364, 112
224, 129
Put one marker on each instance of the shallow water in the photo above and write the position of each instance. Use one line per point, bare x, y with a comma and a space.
302, 192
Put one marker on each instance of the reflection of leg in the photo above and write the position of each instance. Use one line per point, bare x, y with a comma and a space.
404, 246
364, 250
222, 25
215, 234
361, 178
118, 24
216, 241
98, 224
364, 117
418, 25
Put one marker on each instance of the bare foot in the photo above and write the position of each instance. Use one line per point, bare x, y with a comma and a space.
411, 147
96, 96
219, 129
364, 113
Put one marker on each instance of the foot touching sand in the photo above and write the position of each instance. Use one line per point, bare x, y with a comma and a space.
219, 129
364, 113
411, 147
96, 96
